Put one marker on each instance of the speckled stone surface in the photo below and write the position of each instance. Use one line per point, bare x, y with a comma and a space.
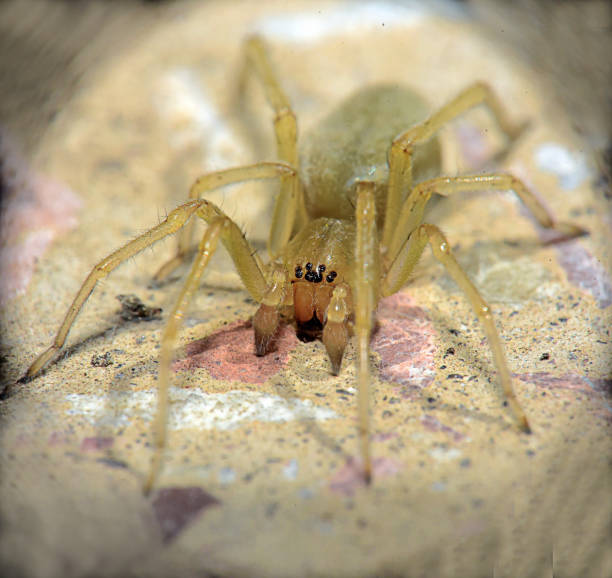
260, 476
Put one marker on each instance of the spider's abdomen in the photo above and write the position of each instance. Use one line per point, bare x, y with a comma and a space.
352, 143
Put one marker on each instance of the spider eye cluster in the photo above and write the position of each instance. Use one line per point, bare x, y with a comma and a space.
314, 275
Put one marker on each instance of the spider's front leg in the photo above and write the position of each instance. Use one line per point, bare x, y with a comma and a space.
269, 293
175, 220
244, 256
267, 317
220, 226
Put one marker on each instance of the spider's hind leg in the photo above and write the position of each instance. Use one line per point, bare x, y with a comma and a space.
401, 152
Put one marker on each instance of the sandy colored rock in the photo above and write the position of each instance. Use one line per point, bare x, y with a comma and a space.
458, 489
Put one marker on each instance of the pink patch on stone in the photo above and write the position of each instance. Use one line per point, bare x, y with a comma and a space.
229, 354
384, 436
57, 438
349, 477
35, 209
583, 270
568, 382
405, 341
177, 508
433, 424
597, 390
586, 272
475, 148
96, 444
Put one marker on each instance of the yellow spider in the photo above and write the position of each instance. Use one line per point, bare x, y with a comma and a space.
346, 231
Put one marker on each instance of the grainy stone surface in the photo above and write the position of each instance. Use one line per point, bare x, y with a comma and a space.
458, 490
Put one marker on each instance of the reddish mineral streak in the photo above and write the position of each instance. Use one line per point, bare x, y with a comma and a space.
567, 382
433, 424
349, 477
95, 444
176, 508
34, 210
229, 354
405, 342
475, 148
583, 270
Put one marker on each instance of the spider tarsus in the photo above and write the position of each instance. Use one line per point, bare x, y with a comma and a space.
147, 489
525, 427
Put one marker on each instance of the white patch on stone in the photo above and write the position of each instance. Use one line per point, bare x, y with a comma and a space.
290, 471
183, 102
195, 409
227, 475
445, 455
312, 26
570, 167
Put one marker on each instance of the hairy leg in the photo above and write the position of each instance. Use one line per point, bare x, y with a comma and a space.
217, 179
175, 220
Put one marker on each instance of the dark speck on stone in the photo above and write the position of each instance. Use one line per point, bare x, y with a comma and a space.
175, 508
112, 463
544, 356
102, 360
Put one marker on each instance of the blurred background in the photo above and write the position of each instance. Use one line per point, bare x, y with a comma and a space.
47, 48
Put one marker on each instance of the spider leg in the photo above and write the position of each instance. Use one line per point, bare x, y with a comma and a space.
366, 277
245, 259
290, 202
400, 156
206, 249
175, 220
411, 214
401, 268
271, 295
210, 182
267, 317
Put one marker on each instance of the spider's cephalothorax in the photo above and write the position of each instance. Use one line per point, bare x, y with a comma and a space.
347, 228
